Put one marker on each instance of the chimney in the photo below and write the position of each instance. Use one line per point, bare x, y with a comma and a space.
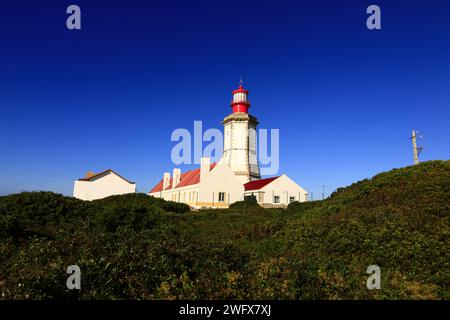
89, 175
176, 176
166, 180
204, 168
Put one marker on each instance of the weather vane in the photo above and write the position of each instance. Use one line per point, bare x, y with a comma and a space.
240, 81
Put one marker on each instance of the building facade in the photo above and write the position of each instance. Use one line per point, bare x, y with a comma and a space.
211, 185
101, 185
275, 191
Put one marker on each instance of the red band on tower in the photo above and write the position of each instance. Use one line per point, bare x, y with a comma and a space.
240, 102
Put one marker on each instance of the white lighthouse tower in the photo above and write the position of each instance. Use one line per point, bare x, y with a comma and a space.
240, 146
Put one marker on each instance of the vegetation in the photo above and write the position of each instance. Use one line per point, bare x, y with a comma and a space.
138, 247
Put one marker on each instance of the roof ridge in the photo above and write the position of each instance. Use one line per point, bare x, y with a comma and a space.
259, 184
103, 172
187, 178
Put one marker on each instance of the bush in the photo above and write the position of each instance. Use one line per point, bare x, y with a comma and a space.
136, 211
135, 217
143, 200
245, 205
302, 206
38, 213
138, 247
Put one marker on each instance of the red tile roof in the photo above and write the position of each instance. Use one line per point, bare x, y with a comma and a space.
188, 178
258, 184
158, 187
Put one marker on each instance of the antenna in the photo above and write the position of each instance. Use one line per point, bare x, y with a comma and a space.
416, 150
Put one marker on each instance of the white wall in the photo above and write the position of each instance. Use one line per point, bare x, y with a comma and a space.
220, 179
101, 187
284, 187
252, 147
239, 151
186, 194
206, 193
236, 146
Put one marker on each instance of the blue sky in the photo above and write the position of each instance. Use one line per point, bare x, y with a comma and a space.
109, 95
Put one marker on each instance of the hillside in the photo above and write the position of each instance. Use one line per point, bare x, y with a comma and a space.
138, 247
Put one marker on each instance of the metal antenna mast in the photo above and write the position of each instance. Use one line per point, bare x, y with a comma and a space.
416, 150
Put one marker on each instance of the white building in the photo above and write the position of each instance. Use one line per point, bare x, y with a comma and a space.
237, 173
212, 185
102, 185
275, 191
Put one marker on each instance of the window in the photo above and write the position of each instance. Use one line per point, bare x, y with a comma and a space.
221, 196
291, 199
276, 199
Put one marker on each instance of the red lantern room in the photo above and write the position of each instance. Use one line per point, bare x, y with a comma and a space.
240, 102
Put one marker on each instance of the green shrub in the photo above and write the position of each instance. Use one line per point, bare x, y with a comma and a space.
245, 205
138, 247
135, 217
297, 206
38, 213
136, 211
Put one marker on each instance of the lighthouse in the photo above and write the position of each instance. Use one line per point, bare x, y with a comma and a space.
236, 176
240, 145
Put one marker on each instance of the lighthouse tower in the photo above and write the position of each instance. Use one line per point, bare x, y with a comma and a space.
239, 146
